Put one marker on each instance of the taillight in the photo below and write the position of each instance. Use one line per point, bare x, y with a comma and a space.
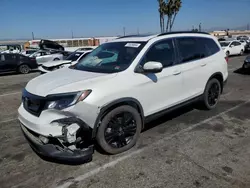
226, 58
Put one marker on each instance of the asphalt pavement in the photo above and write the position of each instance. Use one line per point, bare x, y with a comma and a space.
187, 148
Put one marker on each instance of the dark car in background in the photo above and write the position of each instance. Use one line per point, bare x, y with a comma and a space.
48, 44
247, 47
246, 64
16, 62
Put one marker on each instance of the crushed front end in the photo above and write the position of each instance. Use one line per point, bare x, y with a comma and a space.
55, 134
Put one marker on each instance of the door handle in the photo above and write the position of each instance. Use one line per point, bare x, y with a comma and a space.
177, 73
203, 65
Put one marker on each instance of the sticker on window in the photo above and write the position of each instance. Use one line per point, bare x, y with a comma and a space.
133, 45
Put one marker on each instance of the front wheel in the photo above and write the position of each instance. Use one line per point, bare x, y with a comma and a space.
24, 69
119, 130
211, 94
227, 53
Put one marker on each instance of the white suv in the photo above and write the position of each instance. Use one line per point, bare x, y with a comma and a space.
109, 95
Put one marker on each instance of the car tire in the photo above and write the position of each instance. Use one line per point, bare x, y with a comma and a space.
24, 69
242, 52
211, 94
227, 53
124, 133
244, 66
56, 59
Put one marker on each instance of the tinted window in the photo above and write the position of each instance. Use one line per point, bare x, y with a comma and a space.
10, 57
74, 56
189, 49
237, 43
210, 46
162, 52
233, 43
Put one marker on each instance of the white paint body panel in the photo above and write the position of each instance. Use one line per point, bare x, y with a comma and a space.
155, 92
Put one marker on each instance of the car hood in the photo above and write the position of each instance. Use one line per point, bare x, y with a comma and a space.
65, 80
55, 63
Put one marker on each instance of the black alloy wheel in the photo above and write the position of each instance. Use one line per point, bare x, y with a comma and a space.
213, 94
120, 130
24, 69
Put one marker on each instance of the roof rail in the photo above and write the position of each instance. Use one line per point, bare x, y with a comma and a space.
182, 32
128, 36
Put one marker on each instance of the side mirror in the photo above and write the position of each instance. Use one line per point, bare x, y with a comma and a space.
152, 67
231, 45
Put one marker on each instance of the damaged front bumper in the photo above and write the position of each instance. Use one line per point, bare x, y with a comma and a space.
55, 150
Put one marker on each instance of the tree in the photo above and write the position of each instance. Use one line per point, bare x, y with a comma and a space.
161, 8
171, 9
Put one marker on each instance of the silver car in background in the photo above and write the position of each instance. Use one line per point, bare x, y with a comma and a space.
43, 56
72, 59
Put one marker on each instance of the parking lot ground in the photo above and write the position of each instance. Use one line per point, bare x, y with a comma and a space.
187, 148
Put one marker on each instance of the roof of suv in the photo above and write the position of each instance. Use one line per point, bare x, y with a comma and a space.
145, 38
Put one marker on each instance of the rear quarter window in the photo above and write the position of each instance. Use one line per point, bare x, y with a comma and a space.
210, 45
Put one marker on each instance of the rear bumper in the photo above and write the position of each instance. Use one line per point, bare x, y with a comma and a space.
56, 152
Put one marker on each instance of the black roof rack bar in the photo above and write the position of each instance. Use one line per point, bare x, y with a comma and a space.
127, 36
183, 32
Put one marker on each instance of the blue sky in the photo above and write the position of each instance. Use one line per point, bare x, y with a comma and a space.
56, 18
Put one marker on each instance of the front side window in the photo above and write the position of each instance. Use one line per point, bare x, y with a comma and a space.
224, 44
233, 44
237, 43
110, 57
162, 52
189, 49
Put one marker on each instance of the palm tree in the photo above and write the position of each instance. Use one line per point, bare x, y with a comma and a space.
161, 13
171, 9
175, 9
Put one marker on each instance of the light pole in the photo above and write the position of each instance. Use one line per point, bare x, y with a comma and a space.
200, 27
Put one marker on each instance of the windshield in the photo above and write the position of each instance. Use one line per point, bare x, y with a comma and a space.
224, 44
110, 57
74, 56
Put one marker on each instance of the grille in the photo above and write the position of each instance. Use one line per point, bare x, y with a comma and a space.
32, 103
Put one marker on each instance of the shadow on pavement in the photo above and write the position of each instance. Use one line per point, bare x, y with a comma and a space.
242, 71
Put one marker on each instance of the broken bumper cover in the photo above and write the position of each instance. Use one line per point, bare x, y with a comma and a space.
56, 152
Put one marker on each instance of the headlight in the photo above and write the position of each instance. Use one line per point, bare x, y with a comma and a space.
61, 101
247, 60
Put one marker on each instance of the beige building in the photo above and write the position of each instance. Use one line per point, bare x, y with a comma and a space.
231, 32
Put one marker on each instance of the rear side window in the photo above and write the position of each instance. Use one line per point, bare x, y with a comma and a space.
189, 49
10, 57
210, 45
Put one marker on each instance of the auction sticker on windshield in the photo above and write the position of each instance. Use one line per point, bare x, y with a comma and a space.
133, 45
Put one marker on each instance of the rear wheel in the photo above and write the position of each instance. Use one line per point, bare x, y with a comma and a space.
241, 52
56, 59
24, 69
119, 129
211, 94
